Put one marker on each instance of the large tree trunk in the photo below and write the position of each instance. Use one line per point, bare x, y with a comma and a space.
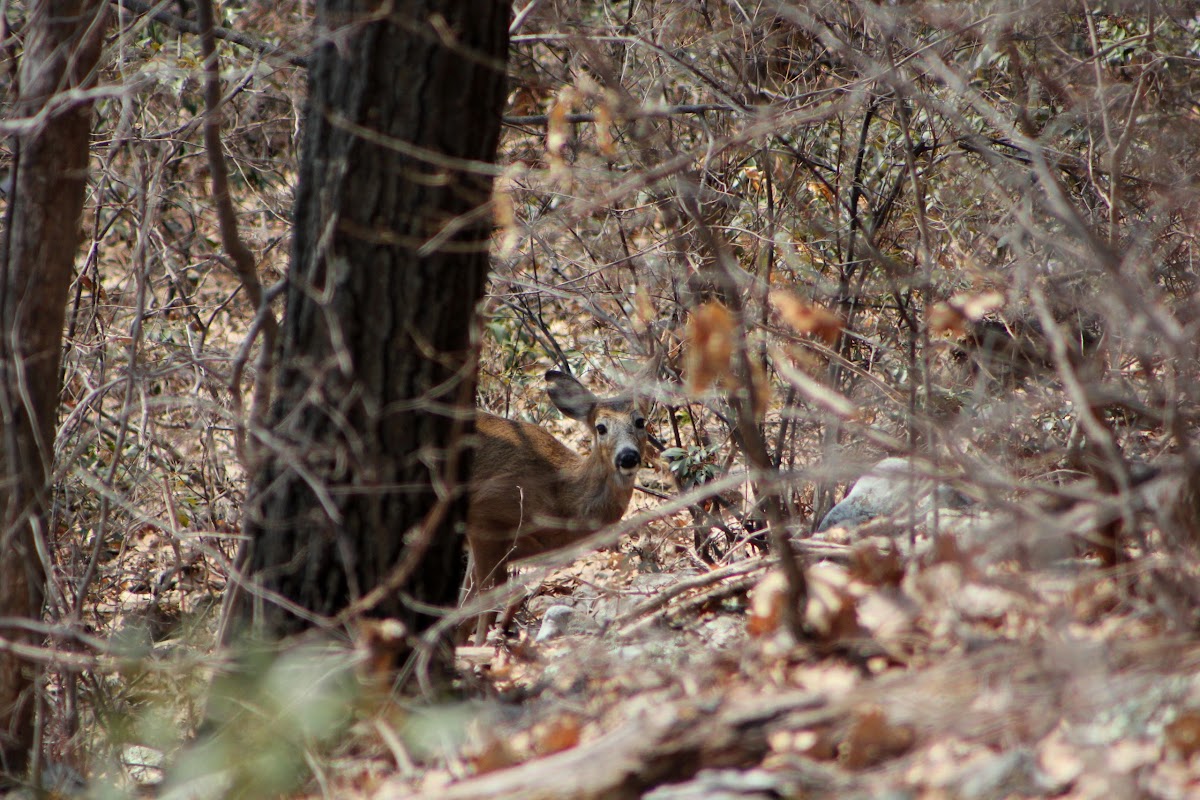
36, 262
361, 472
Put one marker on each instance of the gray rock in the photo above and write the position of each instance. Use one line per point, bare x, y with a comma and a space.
554, 622
892, 487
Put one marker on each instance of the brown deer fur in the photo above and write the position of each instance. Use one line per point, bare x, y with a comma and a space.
530, 493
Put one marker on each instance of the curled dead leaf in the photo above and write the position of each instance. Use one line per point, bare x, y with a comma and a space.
381, 644
504, 214
527, 100
501, 666
976, 306
762, 388
643, 307
873, 740
710, 345
494, 754
753, 177
821, 190
807, 318
558, 131
604, 121
766, 604
1183, 734
875, 566
890, 617
952, 316
557, 734
831, 613
946, 320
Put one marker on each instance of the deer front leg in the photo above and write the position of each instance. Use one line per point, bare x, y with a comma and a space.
489, 568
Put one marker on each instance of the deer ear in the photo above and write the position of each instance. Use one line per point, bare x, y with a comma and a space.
569, 395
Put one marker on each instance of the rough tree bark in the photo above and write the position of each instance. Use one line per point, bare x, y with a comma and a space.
375, 379
37, 257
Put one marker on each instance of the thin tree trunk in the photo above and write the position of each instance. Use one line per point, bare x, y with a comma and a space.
36, 265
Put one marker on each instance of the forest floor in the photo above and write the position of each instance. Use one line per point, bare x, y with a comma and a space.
929, 668
930, 675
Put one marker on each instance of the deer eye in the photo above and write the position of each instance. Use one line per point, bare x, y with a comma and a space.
639, 423
601, 428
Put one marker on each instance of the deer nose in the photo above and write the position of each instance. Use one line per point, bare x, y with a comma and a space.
629, 458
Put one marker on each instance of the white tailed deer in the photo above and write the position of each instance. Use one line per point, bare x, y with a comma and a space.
530, 493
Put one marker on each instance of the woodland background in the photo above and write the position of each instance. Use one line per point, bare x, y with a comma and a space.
965, 231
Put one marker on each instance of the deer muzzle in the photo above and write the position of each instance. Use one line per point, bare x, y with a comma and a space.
628, 459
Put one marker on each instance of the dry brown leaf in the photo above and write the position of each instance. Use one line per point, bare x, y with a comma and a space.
762, 389
604, 120
951, 316
766, 604
558, 734
710, 346
1095, 599
874, 566
804, 359
830, 613
807, 318
380, 643
873, 740
753, 176
558, 132
504, 213
502, 666
1183, 735
643, 307
494, 754
947, 550
524, 650
890, 617
946, 320
821, 190
525, 101
977, 306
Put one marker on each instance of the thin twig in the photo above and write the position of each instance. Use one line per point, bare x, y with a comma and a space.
643, 113
239, 254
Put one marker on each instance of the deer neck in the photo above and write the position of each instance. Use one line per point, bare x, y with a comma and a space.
600, 492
